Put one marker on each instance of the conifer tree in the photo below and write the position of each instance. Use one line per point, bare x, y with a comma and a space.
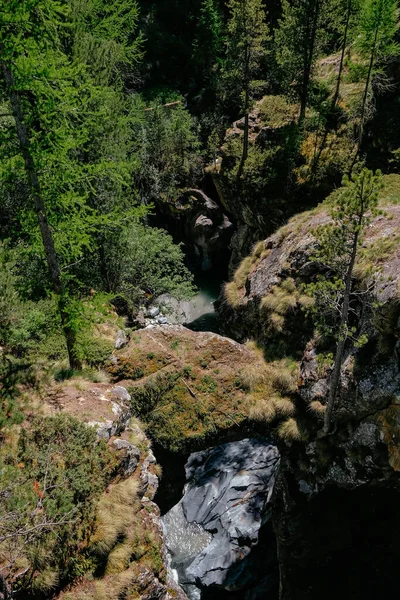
58, 143
208, 43
344, 24
298, 40
378, 25
247, 36
339, 242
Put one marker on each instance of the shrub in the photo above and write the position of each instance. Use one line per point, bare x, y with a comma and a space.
52, 484
94, 351
275, 111
146, 258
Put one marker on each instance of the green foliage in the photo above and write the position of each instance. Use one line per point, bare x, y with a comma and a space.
298, 43
169, 153
104, 38
49, 493
12, 375
208, 48
144, 258
378, 25
338, 242
276, 111
246, 49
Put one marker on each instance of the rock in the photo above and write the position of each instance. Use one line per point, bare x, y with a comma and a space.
121, 340
132, 456
103, 430
162, 320
148, 478
153, 311
336, 496
210, 533
201, 222
121, 393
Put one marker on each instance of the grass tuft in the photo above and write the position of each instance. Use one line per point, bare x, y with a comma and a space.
289, 431
231, 294
317, 408
258, 249
46, 581
263, 409
284, 406
242, 272
119, 559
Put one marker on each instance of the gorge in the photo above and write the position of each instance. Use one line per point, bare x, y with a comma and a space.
199, 300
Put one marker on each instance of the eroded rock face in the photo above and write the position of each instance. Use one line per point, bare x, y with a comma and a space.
212, 530
201, 223
334, 501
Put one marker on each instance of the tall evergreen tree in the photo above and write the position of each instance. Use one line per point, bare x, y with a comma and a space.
298, 40
344, 20
59, 141
339, 244
247, 36
378, 25
208, 45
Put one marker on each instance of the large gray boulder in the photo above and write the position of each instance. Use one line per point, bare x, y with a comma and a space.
210, 533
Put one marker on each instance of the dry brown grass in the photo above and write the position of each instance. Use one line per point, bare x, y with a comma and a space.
269, 386
231, 294
243, 271
119, 558
280, 375
281, 298
114, 515
277, 321
258, 249
289, 430
262, 409
284, 406
254, 347
317, 408
46, 581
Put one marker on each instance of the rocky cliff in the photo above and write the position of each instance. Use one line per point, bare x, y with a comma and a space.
335, 500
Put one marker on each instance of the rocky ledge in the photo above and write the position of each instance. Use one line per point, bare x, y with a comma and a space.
334, 505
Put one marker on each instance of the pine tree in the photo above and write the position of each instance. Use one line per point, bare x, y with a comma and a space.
59, 142
208, 45
247, 36
298, 40
339, 243
378, 25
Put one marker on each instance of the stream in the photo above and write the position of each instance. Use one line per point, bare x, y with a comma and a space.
201, 311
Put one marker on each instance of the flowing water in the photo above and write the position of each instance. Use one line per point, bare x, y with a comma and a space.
201, 310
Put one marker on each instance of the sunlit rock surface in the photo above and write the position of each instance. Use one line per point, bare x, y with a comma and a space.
210, 533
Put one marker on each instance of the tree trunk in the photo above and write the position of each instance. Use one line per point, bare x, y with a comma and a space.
364, 100
45, 231
344, 44
308, 61
245, 145
337, 367
337, 90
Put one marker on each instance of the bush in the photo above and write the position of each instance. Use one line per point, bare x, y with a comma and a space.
94, 351
48, 501
275, 111
146, 258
